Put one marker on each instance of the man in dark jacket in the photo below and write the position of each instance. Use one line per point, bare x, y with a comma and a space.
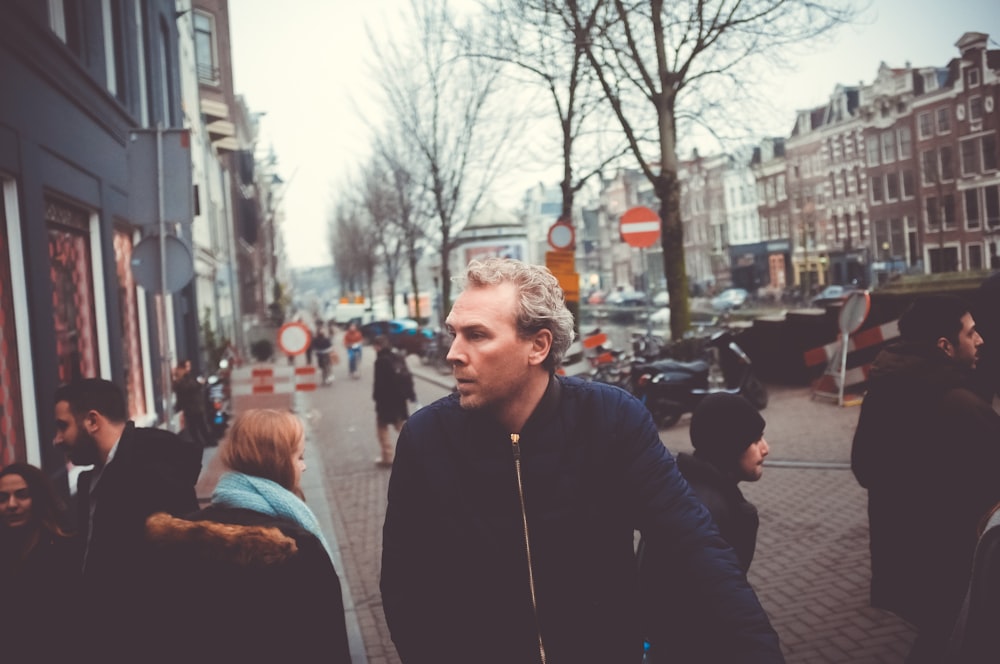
190, 393
136, 472
727, 433
513, 502
927, 449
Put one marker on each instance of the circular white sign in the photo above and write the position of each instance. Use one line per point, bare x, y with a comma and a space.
294, 338
561, 235
854, 311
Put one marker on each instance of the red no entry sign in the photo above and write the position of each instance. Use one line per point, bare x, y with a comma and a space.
640, 227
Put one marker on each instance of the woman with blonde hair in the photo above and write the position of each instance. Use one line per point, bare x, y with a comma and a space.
250, 577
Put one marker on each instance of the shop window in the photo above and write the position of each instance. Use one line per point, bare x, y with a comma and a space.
12, 443
131, 337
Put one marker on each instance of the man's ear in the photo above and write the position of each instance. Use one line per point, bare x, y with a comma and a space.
946, 346
541, 344
92, 421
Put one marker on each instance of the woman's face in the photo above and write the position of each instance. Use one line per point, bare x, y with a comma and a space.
299, 461
15, 501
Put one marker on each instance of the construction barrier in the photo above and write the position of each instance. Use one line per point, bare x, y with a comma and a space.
840, 375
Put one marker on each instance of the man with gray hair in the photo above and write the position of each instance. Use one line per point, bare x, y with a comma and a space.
513, 502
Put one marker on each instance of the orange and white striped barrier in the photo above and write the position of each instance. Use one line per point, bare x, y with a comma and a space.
857, 341
246, 381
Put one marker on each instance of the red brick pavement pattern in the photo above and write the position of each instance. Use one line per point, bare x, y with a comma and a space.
810, 569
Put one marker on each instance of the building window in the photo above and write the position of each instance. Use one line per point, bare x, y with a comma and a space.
931, 210
968, 150
926, 128
947, 170
948, 210
930, 81
782, 194
943, 120
846, 183
989, 145
876, 188
64, 19
909, 186
888, 139
991, 196
204, 46
131, 337
892, 186
905, 143
975, 256
12, 442
872, 146
975, 108
971, 208
70, 269
973, 78
928, 161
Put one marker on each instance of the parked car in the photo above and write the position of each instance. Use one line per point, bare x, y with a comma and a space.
731, 298
597, 297
660, 316
404, 333
661, 299
833, 294
630, 298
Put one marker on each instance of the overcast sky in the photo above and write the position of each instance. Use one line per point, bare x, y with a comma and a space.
304, 65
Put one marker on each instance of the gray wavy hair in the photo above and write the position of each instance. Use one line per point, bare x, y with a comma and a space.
541, 305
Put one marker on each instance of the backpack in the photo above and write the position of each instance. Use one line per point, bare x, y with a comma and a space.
402, 379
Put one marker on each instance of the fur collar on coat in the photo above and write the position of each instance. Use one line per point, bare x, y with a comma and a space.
243, 545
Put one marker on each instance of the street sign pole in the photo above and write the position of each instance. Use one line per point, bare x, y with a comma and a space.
165, 359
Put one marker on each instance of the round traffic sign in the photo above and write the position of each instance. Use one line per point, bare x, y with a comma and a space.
640, 227
561, 236
294, 338
854, 311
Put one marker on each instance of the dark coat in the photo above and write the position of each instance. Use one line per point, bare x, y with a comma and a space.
679, 623
455, 574
927, 449
389, 394
235, 585
735, 516
974, 638
37, 597
152, 471
190, 394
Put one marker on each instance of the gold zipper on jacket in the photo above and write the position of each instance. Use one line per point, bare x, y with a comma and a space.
515, 439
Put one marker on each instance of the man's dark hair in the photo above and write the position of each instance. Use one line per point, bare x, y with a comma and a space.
94, 394
931, 317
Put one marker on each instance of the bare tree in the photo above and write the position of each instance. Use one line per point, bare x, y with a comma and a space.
407, 188
379, 202
537, 37
656, 59
352, 246
445, 105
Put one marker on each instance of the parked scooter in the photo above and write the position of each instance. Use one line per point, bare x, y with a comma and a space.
217, 412
670, 388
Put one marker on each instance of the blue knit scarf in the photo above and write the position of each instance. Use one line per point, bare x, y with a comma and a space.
267, 497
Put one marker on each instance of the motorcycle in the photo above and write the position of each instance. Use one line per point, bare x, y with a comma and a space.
670, 388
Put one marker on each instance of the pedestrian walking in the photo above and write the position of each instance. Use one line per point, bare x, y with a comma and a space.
727, 434
927, 449
352, 342
39, 568
321, 346
513, 503
391, 389
250, 578
190, 401
136, 472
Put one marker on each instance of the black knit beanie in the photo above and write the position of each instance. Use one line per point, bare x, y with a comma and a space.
723, 426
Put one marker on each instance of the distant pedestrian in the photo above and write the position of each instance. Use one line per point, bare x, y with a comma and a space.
352, 342
391, 389
513, 503
927, 449
191, 401
39, 569
727, 433
250, 578
136, 472
321, 346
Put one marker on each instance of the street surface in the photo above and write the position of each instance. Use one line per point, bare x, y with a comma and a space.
811, 565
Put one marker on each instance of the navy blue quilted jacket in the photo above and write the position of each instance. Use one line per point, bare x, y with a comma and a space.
455, 572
